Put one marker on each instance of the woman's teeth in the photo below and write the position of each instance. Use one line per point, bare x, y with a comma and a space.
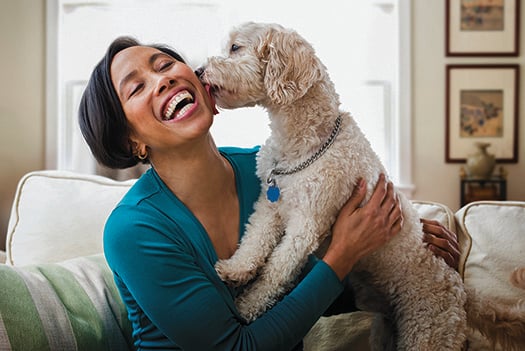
183, 97
184, 110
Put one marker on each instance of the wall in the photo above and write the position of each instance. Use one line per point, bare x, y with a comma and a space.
22, 101
434, 179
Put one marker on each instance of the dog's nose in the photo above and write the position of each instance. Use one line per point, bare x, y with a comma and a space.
199, 72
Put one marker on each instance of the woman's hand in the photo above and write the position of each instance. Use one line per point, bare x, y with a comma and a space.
441, 241
358, 231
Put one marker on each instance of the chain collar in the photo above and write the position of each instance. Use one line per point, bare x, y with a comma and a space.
280, 171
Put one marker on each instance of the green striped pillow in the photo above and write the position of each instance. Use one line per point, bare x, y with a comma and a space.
71, 305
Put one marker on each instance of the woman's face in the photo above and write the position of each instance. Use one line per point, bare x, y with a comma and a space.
165, 103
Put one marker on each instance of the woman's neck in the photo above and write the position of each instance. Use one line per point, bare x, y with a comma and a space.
205, 182
197, 175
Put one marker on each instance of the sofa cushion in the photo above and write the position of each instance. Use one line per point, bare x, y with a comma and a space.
71, 305
57, 215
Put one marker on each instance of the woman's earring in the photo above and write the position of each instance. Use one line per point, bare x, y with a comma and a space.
137, 153
143, 156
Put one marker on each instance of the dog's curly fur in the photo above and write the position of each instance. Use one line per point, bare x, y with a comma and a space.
274, 67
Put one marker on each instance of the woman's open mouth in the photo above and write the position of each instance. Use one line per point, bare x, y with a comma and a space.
178, 106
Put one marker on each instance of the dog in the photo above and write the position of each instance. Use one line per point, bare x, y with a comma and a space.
308, 167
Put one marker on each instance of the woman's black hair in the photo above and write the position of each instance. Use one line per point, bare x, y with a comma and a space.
101, 117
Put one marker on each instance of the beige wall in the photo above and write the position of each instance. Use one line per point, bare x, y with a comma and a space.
22, 102
434, 179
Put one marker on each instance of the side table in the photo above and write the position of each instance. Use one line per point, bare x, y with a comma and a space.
477, 189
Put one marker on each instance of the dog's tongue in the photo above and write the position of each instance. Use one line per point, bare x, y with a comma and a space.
212, 99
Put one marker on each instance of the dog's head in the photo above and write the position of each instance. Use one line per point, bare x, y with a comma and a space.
265, 64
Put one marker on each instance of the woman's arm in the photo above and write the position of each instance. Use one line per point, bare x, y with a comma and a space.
178, 296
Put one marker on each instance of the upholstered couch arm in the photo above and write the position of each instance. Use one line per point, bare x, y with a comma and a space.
494, 247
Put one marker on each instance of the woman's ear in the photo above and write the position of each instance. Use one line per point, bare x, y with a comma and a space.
138, 149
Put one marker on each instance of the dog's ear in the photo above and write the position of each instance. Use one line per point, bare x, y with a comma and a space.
291, 65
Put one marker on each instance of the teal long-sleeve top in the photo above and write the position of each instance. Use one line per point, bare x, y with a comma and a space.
163, 264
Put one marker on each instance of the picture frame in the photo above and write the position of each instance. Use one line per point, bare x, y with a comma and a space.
482, 27
482, 106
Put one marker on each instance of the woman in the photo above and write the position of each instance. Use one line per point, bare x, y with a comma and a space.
143, 103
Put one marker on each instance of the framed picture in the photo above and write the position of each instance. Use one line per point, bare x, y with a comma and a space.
482, 106
482, 27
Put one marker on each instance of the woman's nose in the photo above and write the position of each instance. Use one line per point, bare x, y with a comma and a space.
165, 84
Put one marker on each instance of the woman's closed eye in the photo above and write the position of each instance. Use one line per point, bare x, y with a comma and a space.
135, 89
165, 65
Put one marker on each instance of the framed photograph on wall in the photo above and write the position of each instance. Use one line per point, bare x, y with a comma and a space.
482, 27
482, 106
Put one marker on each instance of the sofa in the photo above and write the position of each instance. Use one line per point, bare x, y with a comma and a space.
57, 293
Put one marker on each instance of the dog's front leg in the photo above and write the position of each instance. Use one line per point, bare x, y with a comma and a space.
262, 234
284, 265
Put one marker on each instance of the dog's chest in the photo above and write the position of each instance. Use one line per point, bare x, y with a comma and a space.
312, 190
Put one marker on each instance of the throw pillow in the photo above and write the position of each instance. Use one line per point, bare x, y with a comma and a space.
71, 305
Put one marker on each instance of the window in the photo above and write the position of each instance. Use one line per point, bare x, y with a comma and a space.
364, 44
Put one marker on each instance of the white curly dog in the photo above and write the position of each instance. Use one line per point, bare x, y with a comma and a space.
309, 165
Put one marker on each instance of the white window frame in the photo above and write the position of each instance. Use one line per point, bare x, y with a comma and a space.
403, 132
58, 131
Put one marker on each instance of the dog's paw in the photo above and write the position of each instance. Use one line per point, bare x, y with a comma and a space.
235, 274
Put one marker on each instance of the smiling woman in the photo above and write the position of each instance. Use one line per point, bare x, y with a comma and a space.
365, 68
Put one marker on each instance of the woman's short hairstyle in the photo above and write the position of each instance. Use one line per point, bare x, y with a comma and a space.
101, 117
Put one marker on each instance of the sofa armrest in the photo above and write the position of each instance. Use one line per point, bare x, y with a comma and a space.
497, 244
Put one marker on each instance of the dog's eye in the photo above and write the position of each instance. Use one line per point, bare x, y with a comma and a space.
234, 48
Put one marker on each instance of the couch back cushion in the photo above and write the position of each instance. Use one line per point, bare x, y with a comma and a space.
57, 215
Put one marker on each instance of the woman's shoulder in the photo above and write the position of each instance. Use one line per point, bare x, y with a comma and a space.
243, 159
135, 204
144, 208
145, 187
241, 152
244, 162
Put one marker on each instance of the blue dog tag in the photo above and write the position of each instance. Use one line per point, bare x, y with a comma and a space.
272, 194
